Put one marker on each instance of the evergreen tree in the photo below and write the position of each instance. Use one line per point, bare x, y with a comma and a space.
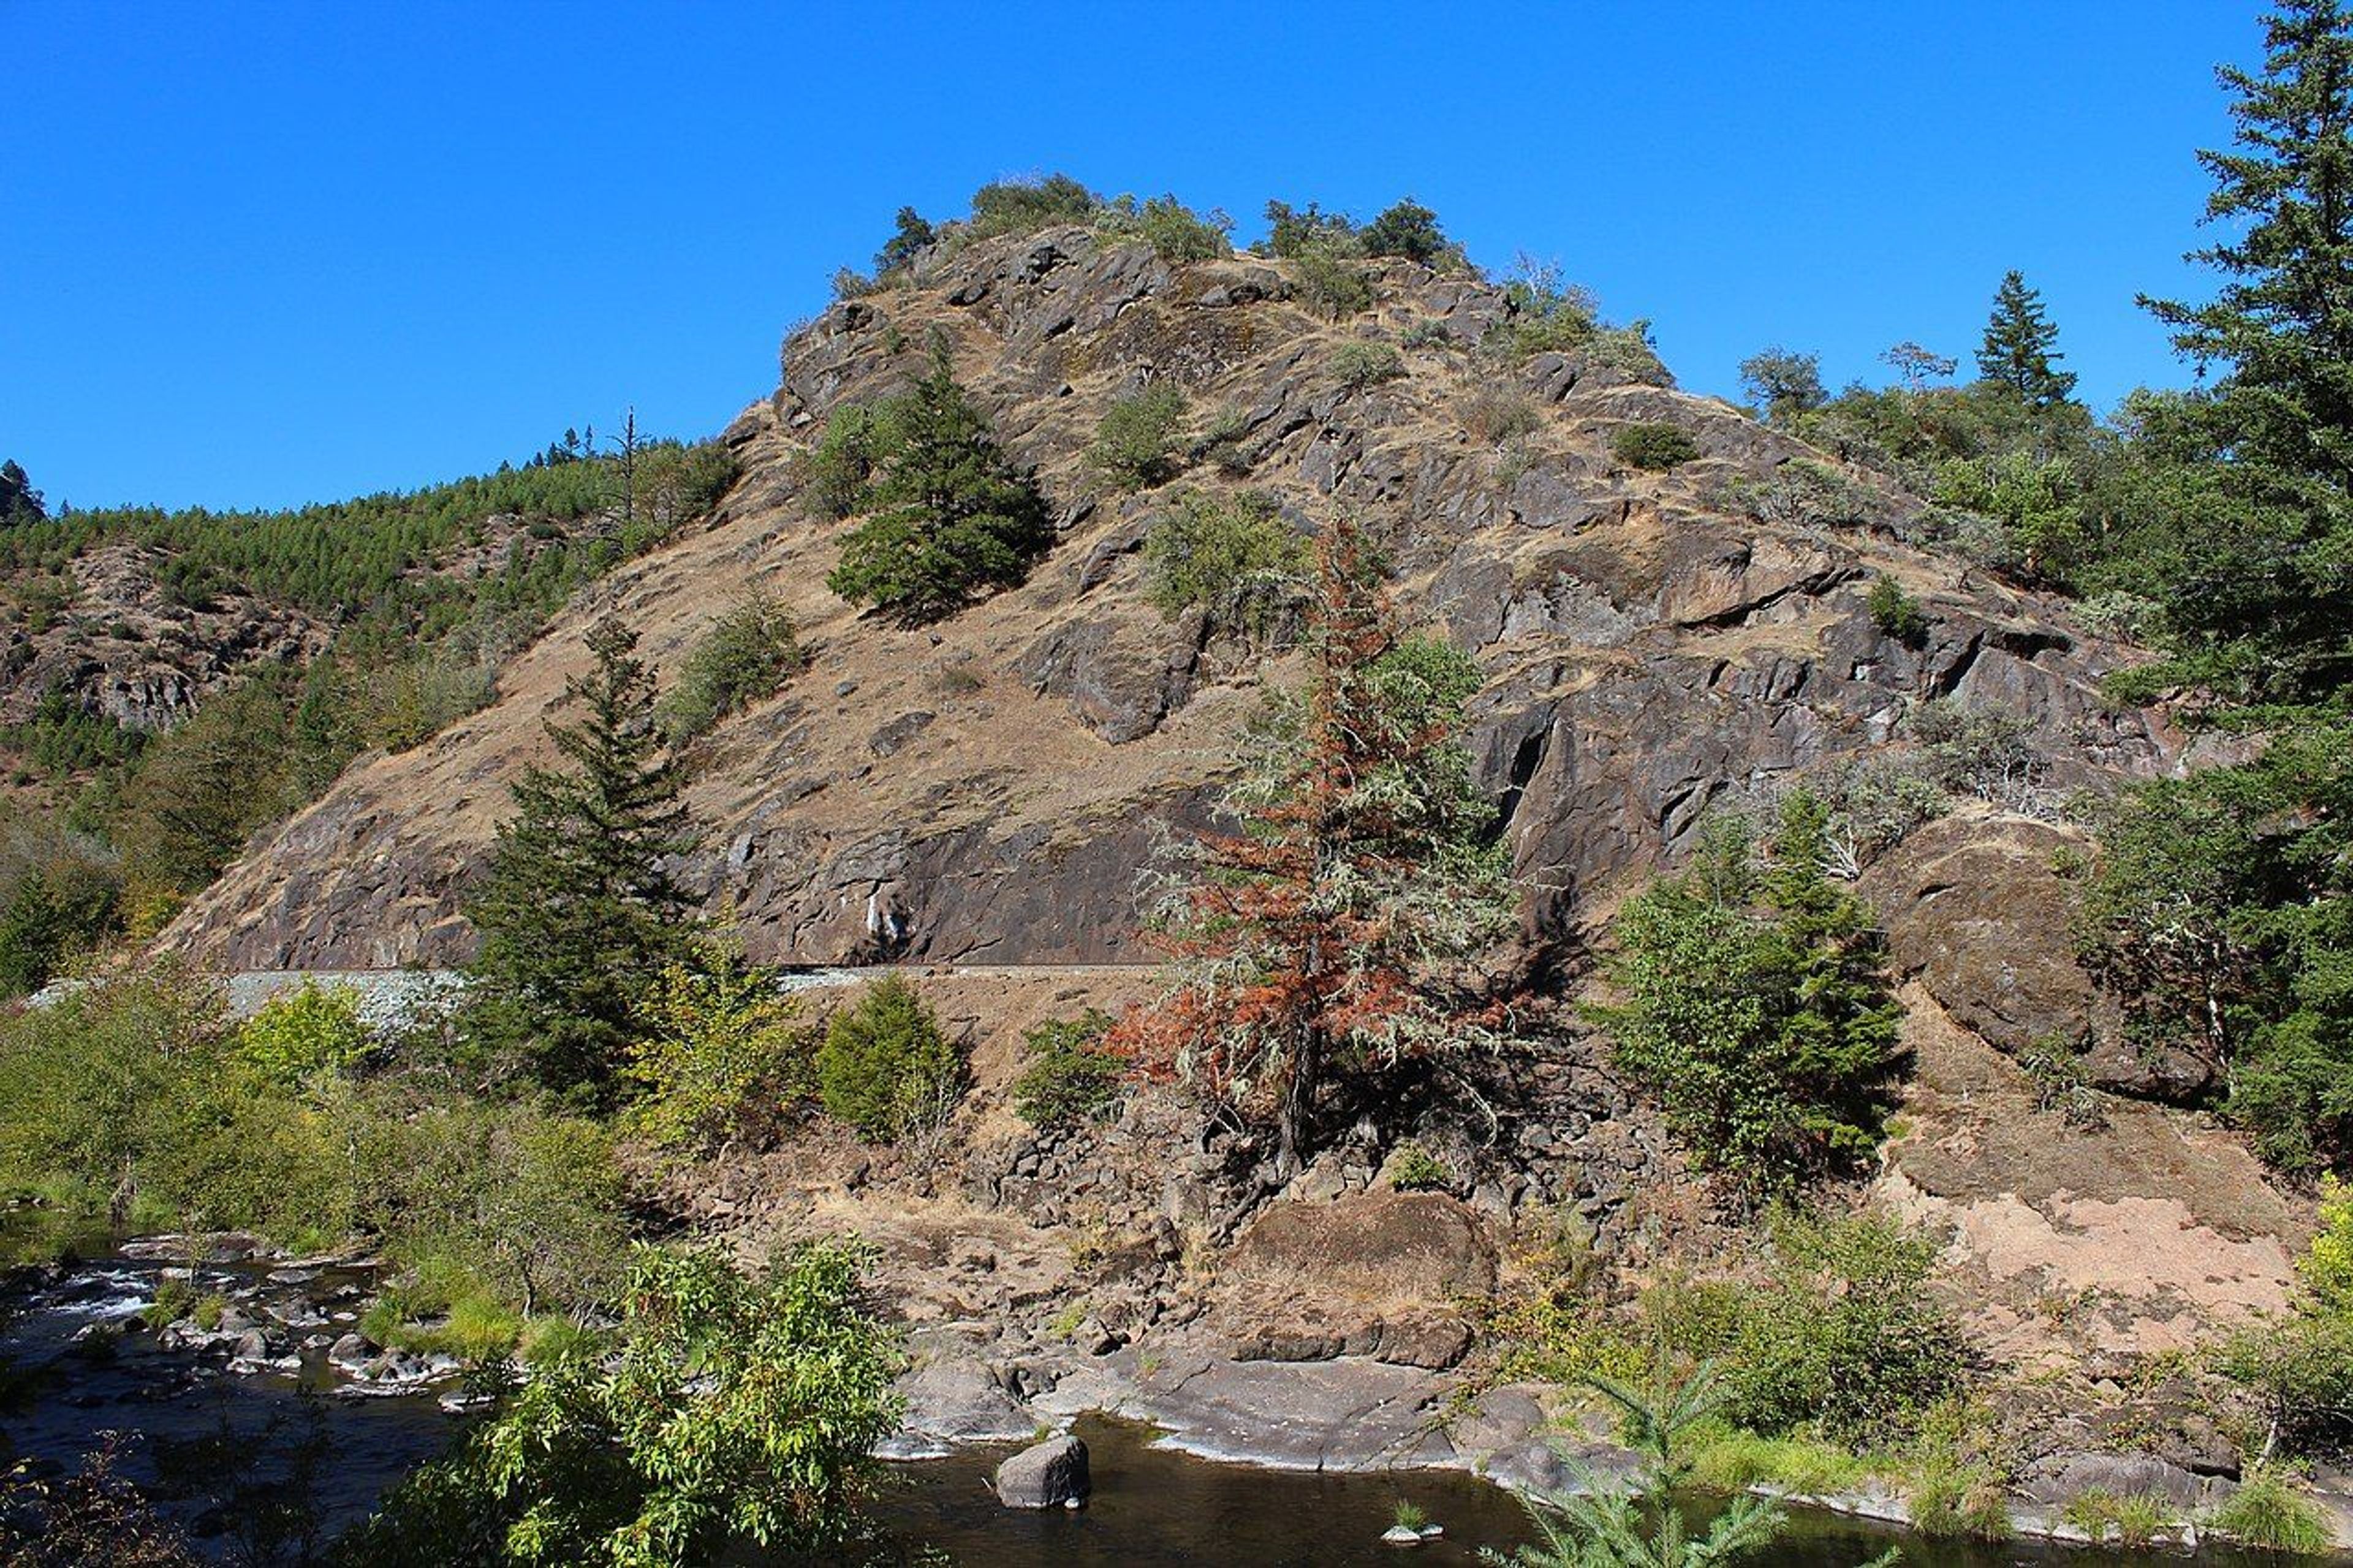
1757, 1006
907, 240
1325, 938
2019, 348
580, 913
950, 515
19, 501
2264, 601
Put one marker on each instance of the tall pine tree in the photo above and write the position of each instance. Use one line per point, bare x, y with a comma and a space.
2021, 344
951, 516
579, 912
2264, 603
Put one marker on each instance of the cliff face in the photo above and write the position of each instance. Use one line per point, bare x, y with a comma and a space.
995, 783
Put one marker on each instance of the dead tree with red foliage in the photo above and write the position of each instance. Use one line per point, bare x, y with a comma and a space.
1334, 932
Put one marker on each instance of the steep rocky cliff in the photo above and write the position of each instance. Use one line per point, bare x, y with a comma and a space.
988, 789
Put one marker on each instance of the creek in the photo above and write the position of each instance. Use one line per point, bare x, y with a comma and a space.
219, 1448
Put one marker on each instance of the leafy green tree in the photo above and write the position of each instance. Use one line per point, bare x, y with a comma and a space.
1236, 559
580, 911
1136, 444
1637, 1522
726, 1413
2021, 345
1410, 230
1072, 1075
725, 1056
1024, 206
950, 515
1755, 1004
312, 1029
2269, 601
1783, 383
2299, 1366
2223, 913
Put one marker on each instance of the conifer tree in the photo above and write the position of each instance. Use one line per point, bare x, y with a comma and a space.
2267, 594
1324, 939
951, 516
580, 911
2021, 346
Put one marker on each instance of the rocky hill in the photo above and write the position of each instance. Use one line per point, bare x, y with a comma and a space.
987, 790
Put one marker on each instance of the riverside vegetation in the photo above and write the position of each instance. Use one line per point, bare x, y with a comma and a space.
1346, 941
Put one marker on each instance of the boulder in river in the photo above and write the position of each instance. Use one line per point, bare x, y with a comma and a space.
1045, 1475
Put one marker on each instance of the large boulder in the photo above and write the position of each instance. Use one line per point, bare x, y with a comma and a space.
1979, 911
1045, 1475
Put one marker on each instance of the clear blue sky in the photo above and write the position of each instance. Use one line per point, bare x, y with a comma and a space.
261, 254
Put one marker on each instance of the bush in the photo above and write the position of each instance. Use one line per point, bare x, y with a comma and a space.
835, 474
1410, 230
1654, 447
742, 659
885, 1067
1414, 1169
951, 516
1026, 205
2268, 1513
1177, 236
1756, 1005
2299, 1367
1235, 559
909, 234
1135, 446
2134, 1517
1073, 1077
312, 1029
1292, 232
1426, 332
1331, 283
1357, 365
1980, 751
724, 1057
1494, 413
730, 1412
1842, 1338
1894, 612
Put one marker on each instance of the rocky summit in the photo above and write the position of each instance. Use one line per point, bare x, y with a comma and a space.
986, 790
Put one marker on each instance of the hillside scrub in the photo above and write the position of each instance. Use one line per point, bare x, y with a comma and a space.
1755, 1005
1135, 445
746, 654
1234, 558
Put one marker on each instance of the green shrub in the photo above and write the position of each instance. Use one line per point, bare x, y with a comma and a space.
313, 1029
1414, 1169
1331, 283
175, 1298
1026, 205
1410, 230
1628, 351
1757, 1006
1895, 612
724, 1057
1653, 445
2268, 1513
1073, 1077
838, 471
2299, 1366
950, 516
1842, 1339
909, 234
1426, 332
1294, 232
747, 653
1548, 316
1357, 365
885, 1067
1135, 445
1176, 235
1981, 751
729, 1412
1950, 1501
1236, 559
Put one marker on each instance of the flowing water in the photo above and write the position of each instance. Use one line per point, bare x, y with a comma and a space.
217, 1447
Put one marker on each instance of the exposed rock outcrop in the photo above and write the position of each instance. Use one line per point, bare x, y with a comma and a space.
1649, 641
